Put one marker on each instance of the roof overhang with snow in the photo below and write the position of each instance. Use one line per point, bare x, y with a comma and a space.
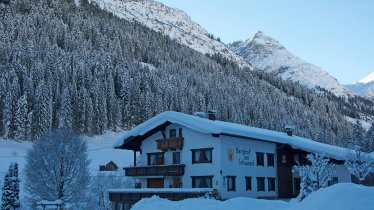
132, 139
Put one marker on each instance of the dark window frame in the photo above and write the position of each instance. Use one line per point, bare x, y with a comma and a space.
258, 162
180, 133
174, 163
271, 187
210, 159
155, 153
210, 178
174, 133
248, 183
262, 188
233, 188
272, 162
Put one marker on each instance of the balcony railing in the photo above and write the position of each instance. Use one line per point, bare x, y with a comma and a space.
170, 143
161, 170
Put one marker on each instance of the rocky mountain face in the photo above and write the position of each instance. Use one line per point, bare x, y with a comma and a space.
265, 53
364, 87
171, 22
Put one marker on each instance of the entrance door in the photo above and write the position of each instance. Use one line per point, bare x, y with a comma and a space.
155, 183
176, 182
296, 186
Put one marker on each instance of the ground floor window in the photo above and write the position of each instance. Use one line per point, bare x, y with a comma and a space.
271, 184
248, 183
122, 206
202, 181
231, 183
260, 183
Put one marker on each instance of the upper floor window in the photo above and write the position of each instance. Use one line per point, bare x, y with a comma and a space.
231, 183
296, 158
173, 133
202, 181
248, 183
156, 158
260, 158
180, 132
176, 157
271, 184
284, 159
202, 155
270, 159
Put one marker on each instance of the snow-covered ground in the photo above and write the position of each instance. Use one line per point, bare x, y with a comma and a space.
337, 197
100, 152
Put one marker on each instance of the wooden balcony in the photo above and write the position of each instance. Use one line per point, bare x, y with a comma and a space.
159, 170
170, 143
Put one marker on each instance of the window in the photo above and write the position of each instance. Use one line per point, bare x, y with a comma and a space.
173, 133
202, 181
156, 158
260, 158
284, 159
176, 157
270, 158
248, 183
180, 132
230, 183
333, 181
202, 155
260, 184
271, 184
296, 158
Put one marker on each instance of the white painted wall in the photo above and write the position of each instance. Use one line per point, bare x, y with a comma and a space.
240, 170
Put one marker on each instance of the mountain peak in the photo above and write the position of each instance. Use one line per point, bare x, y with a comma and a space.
369, 78
260, 38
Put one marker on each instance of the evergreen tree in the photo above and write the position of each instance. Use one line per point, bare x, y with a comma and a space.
65, 113
10, 195
21, 119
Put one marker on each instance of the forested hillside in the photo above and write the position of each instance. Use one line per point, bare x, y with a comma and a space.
82, 68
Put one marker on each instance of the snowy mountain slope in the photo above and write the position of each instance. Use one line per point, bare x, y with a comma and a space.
169, 21
267, 54
364, 87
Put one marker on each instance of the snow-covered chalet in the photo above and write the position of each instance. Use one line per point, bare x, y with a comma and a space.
178, 156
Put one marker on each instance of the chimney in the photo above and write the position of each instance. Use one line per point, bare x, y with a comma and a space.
212, 114
200, 114
289, 129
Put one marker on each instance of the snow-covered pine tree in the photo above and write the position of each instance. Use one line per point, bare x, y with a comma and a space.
369, 143
358, 135
10, 194
21, 119
314, 175
42, 118
359, 163
65, 120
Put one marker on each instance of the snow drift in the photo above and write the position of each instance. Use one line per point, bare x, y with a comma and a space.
344, 196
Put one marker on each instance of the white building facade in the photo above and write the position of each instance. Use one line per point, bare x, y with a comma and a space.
176, 150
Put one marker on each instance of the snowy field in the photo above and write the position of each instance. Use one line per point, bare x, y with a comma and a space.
343, 196
100, 152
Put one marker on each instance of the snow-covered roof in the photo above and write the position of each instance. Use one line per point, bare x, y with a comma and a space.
204, 125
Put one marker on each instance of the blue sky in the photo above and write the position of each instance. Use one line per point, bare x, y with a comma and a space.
337, 35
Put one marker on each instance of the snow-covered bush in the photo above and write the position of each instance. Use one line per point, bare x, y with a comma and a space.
315, 175
57, 168
98, 197
10, 193
359, 163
